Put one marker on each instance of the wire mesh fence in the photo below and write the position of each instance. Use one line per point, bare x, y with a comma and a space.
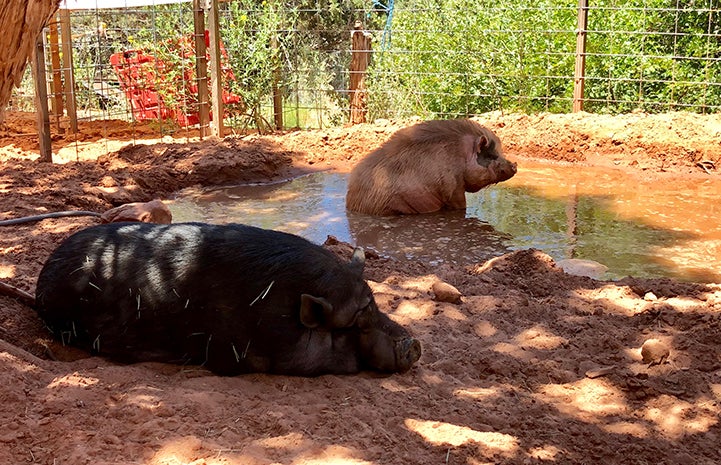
429, 58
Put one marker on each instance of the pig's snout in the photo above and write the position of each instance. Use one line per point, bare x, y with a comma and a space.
408, 351
505, 170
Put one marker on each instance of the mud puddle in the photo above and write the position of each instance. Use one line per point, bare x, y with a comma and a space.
629, 225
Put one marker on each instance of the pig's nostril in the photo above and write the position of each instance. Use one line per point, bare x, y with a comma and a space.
411, 350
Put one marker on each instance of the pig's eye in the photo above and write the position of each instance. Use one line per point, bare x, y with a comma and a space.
360, 315
488, 153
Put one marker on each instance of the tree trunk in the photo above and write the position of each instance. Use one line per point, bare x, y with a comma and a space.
21, 22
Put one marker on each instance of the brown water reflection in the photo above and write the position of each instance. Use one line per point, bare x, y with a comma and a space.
634, 225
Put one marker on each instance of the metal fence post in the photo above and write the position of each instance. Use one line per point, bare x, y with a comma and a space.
580, 71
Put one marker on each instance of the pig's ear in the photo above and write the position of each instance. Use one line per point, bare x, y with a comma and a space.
358, 261
145, 217
314, 310
480, 144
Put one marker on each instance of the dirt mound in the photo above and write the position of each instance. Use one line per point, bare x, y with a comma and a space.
532, 366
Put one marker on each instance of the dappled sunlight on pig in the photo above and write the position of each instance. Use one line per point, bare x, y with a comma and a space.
440, 433
234, 298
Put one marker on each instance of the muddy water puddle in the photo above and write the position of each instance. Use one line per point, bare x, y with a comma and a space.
631, 225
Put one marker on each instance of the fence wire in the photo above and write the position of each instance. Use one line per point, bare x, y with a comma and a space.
429, 58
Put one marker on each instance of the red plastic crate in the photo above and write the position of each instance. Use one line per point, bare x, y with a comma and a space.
141, 74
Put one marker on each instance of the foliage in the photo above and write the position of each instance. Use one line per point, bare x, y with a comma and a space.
440, 58
460, 57
650, 55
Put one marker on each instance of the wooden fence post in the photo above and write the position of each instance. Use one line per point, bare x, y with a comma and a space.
201, 68
68, 71
580, 72
41, 100
57, 101
360, 57
216, 74
277, 94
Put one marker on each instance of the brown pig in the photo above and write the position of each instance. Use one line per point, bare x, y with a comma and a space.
427, 167
154, 211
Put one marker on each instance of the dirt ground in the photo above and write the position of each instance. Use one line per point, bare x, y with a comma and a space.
534, 366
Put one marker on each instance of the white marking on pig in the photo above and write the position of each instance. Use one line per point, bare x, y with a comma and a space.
155, 275
87, 265
262, 294
207, 349
237, 357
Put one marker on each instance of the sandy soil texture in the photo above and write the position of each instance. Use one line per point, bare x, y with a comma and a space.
533, 366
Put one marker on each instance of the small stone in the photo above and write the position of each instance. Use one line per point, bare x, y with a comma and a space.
600, 371
654, 352
650, 297
108, 181
581, 267
444, 292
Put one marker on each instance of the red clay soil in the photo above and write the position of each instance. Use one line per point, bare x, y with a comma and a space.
534, 366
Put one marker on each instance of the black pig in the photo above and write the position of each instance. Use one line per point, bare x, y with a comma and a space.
234, 298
